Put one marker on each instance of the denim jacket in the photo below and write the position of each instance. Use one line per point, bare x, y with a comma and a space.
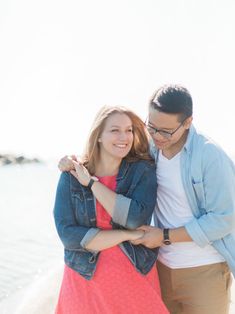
208, 177
75, 216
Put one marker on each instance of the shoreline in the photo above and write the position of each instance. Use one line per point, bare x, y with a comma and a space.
39, 297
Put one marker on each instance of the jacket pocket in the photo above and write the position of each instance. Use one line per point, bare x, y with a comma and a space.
79, 205
77, 195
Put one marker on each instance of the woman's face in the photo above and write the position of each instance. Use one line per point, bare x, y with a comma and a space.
117, 137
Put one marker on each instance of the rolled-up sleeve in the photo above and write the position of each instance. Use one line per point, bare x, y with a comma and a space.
132, 211
219, 206
196, 233
121, 209
88, 237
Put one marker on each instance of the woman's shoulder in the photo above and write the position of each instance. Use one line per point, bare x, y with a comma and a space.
67, 178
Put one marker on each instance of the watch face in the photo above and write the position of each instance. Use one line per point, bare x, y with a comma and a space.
167, 242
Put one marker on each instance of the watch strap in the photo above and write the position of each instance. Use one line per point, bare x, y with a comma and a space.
91, 182
166, 234
166, 238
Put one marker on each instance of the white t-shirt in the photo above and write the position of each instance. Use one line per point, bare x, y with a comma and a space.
173, 212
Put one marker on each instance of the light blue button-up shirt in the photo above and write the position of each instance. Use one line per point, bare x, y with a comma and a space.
208, 177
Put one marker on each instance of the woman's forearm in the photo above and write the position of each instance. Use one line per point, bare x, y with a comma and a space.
109, 238
105, 196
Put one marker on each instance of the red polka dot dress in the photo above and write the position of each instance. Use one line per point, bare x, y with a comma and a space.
116, 287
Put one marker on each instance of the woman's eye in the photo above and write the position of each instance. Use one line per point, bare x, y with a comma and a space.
114, 130
130, 130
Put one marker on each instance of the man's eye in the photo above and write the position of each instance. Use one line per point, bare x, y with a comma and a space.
164, 132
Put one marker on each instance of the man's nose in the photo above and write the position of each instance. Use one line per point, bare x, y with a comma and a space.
157, 135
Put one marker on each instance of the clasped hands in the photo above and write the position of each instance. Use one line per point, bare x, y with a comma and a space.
151, 238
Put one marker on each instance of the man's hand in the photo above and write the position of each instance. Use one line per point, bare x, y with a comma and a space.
134, 235
66, 163
152, 238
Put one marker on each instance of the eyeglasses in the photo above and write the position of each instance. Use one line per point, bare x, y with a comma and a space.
165, 134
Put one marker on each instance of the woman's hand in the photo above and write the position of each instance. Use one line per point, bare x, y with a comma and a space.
80, 173
66, 163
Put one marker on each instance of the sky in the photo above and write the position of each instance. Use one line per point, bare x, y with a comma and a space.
60, 61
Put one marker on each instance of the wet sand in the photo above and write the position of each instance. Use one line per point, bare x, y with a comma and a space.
39, 298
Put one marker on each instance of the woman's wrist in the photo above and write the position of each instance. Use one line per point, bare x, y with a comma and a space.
133, 234
91, 181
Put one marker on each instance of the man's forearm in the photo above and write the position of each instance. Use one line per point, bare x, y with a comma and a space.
153, 236
179, 235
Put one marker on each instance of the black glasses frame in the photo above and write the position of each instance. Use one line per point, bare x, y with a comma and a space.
165, 134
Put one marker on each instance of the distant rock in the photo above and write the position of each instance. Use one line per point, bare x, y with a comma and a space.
7, 159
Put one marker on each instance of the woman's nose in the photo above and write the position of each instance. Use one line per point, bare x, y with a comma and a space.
123, 136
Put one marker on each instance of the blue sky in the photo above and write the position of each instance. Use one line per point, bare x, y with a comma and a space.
61, 60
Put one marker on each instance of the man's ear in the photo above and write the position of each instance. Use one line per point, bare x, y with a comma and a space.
188, 122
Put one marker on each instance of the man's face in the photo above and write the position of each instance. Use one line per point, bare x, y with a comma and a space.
170, 123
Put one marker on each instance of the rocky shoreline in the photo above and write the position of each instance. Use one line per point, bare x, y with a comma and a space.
10, 159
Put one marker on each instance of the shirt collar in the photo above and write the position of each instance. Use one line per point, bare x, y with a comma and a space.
188, 144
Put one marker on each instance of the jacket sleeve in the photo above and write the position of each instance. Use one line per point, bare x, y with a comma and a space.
133, 211
217, 201
73, 236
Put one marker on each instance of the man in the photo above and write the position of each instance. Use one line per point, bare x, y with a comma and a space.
195, 209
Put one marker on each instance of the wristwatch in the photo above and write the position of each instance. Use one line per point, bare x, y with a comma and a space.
91, 182
166, 239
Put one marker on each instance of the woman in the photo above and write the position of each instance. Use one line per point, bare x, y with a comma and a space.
99, 203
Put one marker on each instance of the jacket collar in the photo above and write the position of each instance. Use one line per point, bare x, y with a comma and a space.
122, 170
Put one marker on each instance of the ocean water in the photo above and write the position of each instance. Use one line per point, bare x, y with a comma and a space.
29, 245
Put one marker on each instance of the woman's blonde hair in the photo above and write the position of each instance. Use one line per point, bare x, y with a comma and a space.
140, 146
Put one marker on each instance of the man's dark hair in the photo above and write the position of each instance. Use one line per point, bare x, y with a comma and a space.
173, 99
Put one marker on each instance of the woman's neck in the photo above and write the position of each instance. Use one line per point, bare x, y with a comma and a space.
107, 167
